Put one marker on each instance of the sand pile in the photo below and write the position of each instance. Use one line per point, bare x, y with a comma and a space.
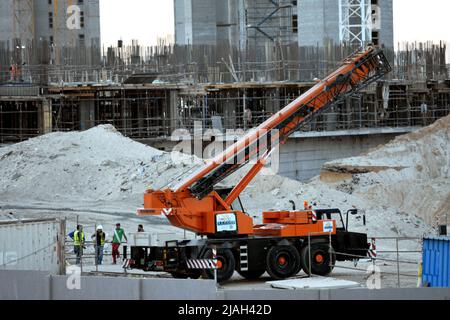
411, 173
98, 167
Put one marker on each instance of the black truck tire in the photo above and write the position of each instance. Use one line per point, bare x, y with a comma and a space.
322, 263
252, 274
282, 262
178, 275
227, 265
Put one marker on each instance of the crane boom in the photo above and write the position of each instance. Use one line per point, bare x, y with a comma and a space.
357, 72
194, 205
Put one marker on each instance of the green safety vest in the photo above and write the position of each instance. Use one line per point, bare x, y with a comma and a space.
77, 238
118, 235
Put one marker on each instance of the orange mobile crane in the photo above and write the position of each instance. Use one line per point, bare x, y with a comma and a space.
287, 241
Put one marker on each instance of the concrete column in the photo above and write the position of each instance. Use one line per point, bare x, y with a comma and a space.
173, 110
87, 114
229, 113
45, 117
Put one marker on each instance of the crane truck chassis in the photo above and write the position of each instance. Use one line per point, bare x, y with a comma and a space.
287, 241
251, 257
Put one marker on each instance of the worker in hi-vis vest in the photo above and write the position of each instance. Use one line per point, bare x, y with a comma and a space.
119, 233
78, 243
100, 239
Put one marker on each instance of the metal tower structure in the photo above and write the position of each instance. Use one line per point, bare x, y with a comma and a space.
355, 21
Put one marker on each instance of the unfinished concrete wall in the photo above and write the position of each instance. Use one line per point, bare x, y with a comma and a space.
195, 22
303, 156
183, 22
204, 26
318, 22
58, 30
6, 20
386, 23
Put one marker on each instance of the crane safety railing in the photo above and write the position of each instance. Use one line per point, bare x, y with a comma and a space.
373, 259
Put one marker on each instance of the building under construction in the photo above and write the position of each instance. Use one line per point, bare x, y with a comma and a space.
215, 78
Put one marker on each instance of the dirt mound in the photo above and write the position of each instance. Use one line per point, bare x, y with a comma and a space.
95, 167
100, 168
411, 173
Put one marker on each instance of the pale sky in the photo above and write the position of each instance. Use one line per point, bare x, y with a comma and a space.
145, 20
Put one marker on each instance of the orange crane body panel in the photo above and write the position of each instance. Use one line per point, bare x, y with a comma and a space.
189, 213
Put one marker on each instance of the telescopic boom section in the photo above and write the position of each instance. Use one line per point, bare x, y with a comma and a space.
358, 71
194, 204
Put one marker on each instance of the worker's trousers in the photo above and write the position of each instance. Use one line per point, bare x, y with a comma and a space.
115, 252
99, 254
78, 250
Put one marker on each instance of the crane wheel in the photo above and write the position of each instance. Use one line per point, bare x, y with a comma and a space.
252, 275
226, 265
322, 260
282, 262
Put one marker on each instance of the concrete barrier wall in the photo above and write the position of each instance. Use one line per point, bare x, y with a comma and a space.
32, 285
339, 294
172, 289
96, 288
24, 285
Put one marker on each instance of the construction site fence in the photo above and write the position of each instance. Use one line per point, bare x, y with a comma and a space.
396, 257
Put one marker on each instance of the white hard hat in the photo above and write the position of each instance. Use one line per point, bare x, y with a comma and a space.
99, 228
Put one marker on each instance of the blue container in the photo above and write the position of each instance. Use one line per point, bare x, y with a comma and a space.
436, 262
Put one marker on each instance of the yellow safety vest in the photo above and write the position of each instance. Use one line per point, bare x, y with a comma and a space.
102, 238
77, 238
